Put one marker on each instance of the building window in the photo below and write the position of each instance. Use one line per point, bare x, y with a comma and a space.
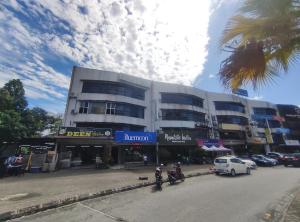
178, 98
272, 124
230, 106
84, 107
264, 111
228, 119
111, 108
115, 88
97, 107
229, 135
184, 115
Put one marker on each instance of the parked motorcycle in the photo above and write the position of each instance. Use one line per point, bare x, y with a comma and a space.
175, 174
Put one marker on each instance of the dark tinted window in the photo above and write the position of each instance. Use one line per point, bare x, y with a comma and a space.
229, 119
178, 98
181, 114
272, 124
264, 111
113, 88
230, 106
221, 160
111, 108
227, 135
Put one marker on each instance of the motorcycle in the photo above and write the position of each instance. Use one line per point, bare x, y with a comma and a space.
174, 175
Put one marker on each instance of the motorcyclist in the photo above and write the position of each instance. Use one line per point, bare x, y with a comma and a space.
158, 173
178, 169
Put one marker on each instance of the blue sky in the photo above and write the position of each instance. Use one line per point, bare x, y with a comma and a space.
172, 41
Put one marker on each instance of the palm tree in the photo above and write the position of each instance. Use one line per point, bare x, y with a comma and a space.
263, 39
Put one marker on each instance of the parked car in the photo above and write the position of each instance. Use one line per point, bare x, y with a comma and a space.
292, 160
277, 156
249, 162
261, 160
231, 165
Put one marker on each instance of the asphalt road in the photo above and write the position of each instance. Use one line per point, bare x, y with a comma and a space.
207, 198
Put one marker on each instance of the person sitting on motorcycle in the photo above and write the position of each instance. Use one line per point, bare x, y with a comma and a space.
178, 169
158, 173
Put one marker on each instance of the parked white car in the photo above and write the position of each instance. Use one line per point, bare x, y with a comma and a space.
231, 165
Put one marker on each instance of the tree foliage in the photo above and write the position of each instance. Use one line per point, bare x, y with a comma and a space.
263, 39
17, 121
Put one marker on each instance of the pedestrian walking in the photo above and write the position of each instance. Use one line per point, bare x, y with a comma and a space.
145, 157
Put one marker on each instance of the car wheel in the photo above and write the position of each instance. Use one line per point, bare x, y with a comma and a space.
232, 173
285, 165
248, 171
217, 173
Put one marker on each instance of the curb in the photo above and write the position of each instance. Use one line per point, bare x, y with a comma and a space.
77, 198
277, 211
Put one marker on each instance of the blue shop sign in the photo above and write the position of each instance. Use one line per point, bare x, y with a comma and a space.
283, 130
241, 92
135, 137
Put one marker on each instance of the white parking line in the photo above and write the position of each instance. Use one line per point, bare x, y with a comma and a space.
100, 212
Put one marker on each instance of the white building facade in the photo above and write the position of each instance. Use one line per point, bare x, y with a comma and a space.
102, 99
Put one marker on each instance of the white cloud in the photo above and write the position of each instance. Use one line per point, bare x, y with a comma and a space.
152, 39
211, 76
159, 40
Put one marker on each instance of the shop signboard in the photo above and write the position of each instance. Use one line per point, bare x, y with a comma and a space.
227, 126
177, 137
282, 130
269, 136
241, 92
292, 142
86, 132
209, 142
135, 137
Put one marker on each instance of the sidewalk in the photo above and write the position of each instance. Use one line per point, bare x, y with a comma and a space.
293, 212
32, 189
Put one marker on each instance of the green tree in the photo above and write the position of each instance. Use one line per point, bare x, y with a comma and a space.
263, 39
17, 93
11, 127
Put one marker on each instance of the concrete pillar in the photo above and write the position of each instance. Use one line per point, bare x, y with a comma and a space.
267, 148
107, 154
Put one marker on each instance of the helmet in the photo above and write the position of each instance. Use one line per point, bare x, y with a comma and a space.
157, 169
178, 163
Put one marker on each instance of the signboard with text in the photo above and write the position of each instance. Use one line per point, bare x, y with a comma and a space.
241, 92
135, 137
86, 132
180, 137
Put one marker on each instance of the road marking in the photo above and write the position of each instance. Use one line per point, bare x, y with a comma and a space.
105, 214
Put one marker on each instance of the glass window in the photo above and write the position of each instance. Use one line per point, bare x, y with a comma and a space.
264, 111
238, 135
221, 161
178, 98
181, 114
98, 108
114, 88
230, 106
229, 119
111, 108
84, 106
272, 123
